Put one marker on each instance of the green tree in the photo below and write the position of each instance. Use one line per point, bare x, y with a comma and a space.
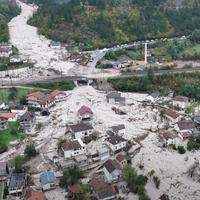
18, 163
30, 151
71, 176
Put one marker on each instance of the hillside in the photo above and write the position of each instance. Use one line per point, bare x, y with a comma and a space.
99, 23
8, 9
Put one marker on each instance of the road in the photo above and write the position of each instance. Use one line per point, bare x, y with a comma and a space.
7, 84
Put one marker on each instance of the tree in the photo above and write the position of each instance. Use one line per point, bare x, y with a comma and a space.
195, 36
84, 193
135, 182
18, 163
181, 149
71, 176
30, 151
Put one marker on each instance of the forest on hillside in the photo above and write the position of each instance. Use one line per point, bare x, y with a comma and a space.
8, 9
99, 23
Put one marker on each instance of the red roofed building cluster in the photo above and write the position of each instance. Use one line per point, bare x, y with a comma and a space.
45, 100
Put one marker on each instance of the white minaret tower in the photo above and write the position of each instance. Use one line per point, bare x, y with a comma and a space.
146, 55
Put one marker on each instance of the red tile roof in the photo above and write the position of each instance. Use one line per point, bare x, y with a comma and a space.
56, 92
7, 115
41, 98
102, 188
186, 124
75, 189
84, 109
35, 195
171, 113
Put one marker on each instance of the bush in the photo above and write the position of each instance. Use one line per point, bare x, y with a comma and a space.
181, 149
3, 148
193, 143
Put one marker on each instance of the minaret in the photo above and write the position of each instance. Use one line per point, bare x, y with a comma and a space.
146, 55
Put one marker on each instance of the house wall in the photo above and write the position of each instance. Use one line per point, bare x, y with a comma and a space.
180, 104
114, 176
85, 116
60, 98
82, 134
19, 112
117, 147
73, 153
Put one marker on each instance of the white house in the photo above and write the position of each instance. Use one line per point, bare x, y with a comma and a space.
118, 129
152, 98
115, 98
116, 143
85, 113
59, 95
73, 148
15, 59
55, 45
2, 105
17, 183
19, 110
81, 130
48, 180
112, 170
181, 102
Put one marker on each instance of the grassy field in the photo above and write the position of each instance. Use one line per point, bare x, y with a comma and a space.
181, 84
10, 134
62, 85
13, 94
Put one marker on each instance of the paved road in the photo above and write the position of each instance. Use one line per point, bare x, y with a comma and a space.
75, 78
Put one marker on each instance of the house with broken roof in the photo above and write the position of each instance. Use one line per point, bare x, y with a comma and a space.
118, 130
40, 100
81, 130
115, 98
34, 195
17, 183
180, 102
122, 160
116, 143
167, 137
102, 190
19, 110
55, 45
27, 120
185, 128
3, 171
9, 116
85, 113
171, 115
48, 180
112, 170
152, 98
72, 148
98, 151
59, 95
5, 50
